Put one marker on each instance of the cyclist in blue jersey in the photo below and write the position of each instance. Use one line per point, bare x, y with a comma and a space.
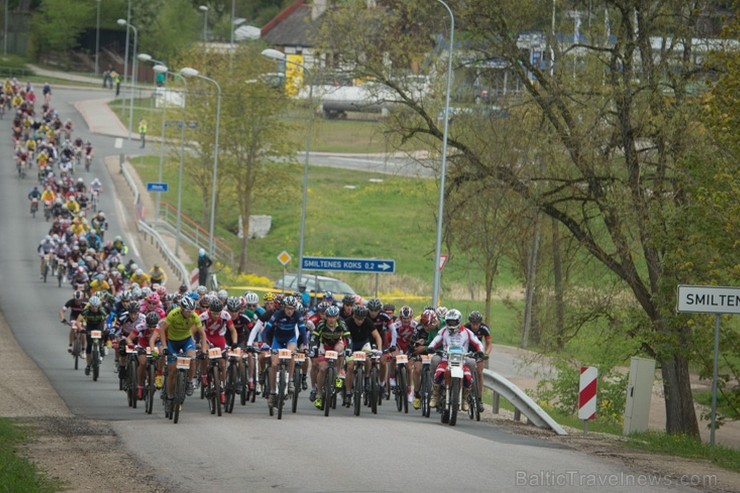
285, 330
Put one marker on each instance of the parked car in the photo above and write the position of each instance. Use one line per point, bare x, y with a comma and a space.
315, 285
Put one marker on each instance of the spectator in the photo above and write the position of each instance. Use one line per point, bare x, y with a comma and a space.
204, 263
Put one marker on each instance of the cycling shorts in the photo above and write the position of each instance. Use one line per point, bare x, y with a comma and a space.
174, 347
276, 344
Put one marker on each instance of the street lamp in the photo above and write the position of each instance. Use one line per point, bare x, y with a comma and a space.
191, 72
144, 57
122, 22
443, 171
161, 68
97, 37
280, 56
204, 9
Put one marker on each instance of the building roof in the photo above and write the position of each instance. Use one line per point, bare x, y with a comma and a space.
291, 27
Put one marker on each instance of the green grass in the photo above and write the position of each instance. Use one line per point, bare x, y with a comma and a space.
684, 446
17, 473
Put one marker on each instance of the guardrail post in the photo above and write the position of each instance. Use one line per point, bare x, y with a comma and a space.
121, 159
496, 402
517, 415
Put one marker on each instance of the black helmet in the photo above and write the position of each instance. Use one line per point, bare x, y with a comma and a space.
374, 305
216, 305
475, 317
359, 311
348, 300
152, 319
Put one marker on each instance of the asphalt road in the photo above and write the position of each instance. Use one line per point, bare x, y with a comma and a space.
250, 450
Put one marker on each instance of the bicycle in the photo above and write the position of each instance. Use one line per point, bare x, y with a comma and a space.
426, 385
213, 392
183, 367
34, 207
61, 271
45, 266
300, 359
88, 162
131, 384
358, 380
474, 399
329, 399
96, 335
284, 357
150, 388
78, 342
374, 397
400, 390
231, 383
248, 377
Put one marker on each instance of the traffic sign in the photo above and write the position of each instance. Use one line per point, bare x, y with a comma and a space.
708, 299
381, 266
587, 385
442, 261
179, 123
157, 187
284, 257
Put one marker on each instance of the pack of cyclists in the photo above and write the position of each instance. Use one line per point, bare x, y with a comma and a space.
133, 308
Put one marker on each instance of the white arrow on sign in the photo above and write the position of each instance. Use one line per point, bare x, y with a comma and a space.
384, 266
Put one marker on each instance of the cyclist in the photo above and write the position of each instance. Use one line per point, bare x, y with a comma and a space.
119, 245
285, 330
125, 323
140, 278
483, 332
88, 152
331, 334
399, 338
157, 275
75, 305
363, 332
100, 225
453, 334
92, 318
424, 333
216, 323
140, 336
177, 333
348, 302
46, 246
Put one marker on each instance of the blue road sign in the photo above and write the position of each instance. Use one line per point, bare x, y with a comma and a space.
157, 187
382, 266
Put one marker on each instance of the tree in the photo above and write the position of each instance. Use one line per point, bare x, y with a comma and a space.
253, 146
57, 24
619, 113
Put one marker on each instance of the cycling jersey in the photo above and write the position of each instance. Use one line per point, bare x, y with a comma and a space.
179, 327
216, 326
95, 320
483, 333
281, 329
331, 337
360, 333
402, 333
462, 337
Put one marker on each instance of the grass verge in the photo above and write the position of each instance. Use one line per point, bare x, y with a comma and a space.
17, 473
684, 446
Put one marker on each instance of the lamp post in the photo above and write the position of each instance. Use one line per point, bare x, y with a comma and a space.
144, 57
123, 22
233, 26
97, 37
280, 56
443, 171
204, 9
162, 69
191, 72
5, 37
125, 56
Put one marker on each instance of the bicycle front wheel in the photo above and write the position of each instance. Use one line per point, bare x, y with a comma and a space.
403, 389
426, 392
132, 383
282, 385
297, 378
329, 383
150, 389
454, 400
180, 384
95, 362
374, 390
357, 386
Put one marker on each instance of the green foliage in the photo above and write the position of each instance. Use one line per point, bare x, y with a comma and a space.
57, 23
173, 28
561, 392
17, 473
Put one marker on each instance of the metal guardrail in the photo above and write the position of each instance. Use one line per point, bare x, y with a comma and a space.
521, 401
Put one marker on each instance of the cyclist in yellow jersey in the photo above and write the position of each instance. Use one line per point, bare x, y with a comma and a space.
177, 333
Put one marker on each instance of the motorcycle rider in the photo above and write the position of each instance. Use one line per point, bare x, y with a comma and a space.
453, 334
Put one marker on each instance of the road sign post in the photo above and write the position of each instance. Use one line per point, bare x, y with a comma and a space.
587, 386
718, 300
284, 258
